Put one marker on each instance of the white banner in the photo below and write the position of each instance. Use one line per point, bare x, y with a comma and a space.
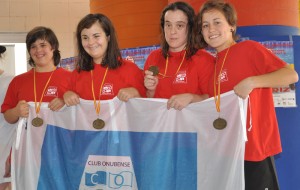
142, 146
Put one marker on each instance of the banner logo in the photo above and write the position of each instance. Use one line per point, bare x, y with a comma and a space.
108, 172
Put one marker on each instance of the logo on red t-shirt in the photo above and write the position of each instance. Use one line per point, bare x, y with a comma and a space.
224, 76
181, 77
107, 89
51, 91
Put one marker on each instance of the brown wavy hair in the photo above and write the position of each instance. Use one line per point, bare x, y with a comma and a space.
226, 9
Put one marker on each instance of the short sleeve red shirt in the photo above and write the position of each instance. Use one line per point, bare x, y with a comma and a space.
127, 75
22, 87
245, 59
192, 76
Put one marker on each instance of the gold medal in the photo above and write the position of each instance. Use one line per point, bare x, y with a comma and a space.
98, 124
220, 123
37, 122
154, 70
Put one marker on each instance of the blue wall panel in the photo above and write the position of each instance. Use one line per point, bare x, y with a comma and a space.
287, 163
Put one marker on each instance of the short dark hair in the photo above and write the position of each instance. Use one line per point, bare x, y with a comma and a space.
112, 57
43, 33
2, 50
190, 13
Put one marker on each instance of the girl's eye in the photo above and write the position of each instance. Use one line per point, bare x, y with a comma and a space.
204, 26
179, 26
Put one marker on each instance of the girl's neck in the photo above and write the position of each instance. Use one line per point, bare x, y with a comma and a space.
228, 45
45, 69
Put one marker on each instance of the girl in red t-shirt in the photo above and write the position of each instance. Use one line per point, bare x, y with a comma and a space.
250, 70
182, 71
101, 73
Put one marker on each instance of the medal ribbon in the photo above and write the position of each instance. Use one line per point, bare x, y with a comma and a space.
37, 105
167, 63
97, 104
218, 94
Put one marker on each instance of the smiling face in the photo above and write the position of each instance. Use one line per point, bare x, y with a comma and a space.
176, 30
216, 31
41, 53
95, 42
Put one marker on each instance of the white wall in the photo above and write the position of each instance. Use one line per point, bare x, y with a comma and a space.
17, 17
14, 60
8, 59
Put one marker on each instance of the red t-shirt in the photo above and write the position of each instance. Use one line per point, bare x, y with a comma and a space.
22, 87
192, 76
127, 75
246, 59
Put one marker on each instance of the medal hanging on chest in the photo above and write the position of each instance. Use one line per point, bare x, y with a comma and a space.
98, 123
219, 123
37, 121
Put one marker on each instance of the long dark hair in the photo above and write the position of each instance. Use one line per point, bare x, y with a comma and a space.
225, 8
43, 33
190, 13
112, 58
